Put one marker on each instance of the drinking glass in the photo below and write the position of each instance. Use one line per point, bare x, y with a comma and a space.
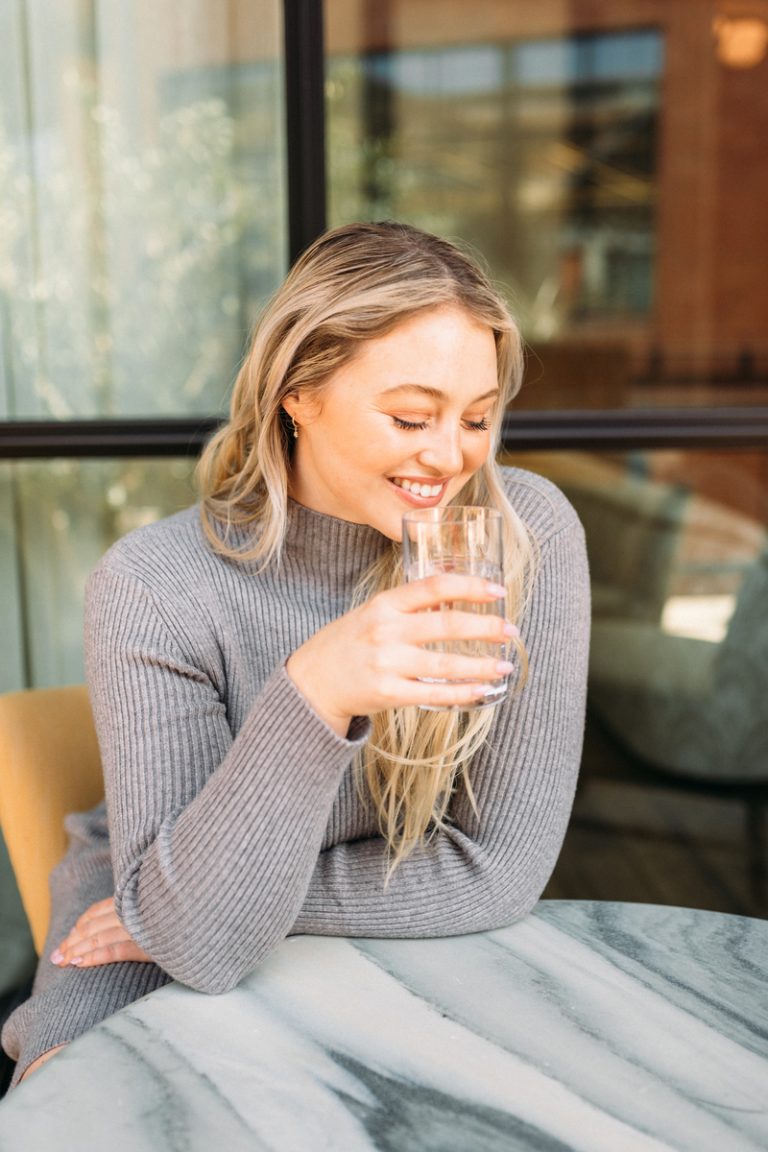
467, 540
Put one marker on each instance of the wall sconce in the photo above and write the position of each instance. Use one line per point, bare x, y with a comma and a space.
742, 38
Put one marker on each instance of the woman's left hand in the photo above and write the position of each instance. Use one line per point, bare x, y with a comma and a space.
98, 938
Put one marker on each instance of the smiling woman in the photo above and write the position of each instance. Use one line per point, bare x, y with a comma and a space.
256, 664
411, 397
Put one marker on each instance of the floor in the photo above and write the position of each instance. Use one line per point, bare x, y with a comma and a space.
631, 840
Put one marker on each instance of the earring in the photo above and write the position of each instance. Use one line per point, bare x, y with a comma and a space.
295, 428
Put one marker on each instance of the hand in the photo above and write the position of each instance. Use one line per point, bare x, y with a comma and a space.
40, 1061
98, 938
373, 658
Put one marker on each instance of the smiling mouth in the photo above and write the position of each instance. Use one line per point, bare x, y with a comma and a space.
422, 489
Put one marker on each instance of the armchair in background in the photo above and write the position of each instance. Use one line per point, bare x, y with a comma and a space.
49, 766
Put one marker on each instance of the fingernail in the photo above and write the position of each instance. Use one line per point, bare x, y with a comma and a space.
57, 956
511, 629
77, 962
496, 589
504, 667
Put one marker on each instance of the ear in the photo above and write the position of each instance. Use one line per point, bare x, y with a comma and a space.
300, 407
291, 404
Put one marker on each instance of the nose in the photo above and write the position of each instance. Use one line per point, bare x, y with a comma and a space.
442, 451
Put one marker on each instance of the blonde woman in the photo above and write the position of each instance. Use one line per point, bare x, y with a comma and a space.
256, 664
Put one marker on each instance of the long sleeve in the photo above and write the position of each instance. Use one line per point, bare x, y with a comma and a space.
489, 869
213, 839
67, 1001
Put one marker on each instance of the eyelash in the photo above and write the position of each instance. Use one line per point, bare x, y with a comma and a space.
474, 425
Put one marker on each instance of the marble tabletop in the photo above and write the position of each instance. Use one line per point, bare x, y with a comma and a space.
592, 1026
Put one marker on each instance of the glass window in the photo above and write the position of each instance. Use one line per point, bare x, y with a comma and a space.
142, 201
607, 161
62, 517
675, 773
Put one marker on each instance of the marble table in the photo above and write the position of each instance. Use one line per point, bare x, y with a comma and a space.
591, 1026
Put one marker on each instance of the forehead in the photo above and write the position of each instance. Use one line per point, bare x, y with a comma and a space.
440, 349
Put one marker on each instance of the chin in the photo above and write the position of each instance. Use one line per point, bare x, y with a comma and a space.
392, 531
390, 525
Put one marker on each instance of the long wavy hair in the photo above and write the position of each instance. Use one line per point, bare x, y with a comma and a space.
353, 284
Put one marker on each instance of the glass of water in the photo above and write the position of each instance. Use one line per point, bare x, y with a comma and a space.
467, 540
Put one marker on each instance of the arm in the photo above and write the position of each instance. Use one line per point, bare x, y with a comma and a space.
487, 870
213, 839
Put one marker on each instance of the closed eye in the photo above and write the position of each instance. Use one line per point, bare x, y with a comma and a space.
410, 424
474, 425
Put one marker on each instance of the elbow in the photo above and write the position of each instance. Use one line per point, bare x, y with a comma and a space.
210, 983
509, 897
193, 945
204, 971
201, 973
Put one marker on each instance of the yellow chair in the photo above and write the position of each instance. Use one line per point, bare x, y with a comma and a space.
49, 766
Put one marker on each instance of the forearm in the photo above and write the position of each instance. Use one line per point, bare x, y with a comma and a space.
446, 888
214, 835
221, 881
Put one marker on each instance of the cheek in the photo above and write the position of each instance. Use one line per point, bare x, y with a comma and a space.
477, 452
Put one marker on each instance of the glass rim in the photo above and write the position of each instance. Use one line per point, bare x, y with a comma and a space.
449, 513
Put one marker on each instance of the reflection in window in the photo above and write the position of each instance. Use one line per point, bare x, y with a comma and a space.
676, 753
542, 152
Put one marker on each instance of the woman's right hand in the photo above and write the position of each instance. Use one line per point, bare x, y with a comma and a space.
373, 657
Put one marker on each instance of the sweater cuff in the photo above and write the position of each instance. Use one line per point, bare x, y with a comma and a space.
359, 728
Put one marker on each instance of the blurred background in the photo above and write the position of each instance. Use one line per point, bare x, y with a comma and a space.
161, 163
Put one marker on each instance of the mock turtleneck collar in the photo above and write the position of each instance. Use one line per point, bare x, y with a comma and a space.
332, 544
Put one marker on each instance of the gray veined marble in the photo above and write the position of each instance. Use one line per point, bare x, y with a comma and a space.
587, 1026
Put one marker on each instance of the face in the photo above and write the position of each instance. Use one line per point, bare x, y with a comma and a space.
404, 425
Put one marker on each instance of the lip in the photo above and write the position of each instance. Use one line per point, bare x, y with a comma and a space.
419, 501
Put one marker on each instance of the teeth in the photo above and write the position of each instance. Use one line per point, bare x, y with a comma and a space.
419, 489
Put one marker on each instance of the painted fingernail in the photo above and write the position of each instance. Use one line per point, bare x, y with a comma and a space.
504, 667
57, 956
511, 629
496, 589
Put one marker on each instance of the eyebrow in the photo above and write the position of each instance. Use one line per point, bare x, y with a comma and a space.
434, 393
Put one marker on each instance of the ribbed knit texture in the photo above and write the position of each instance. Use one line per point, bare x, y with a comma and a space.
234, 816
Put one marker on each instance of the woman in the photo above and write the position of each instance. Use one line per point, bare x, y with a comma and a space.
256, 663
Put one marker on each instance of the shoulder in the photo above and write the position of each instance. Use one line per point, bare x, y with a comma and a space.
540, 504
166, 557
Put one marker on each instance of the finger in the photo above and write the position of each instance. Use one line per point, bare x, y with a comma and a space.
97, 938
106, 945
99, 908
114, 953
455, 667
100, 912
93, 919
98, 919
465, 695
452, 624
86, 926
433, 590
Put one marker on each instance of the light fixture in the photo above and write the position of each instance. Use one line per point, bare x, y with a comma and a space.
741, 32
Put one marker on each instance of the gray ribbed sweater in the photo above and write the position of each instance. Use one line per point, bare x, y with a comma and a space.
234, 818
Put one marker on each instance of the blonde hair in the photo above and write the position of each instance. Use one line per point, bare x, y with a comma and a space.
355, 283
